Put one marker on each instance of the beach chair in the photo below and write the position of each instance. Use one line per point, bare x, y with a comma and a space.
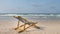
23, 27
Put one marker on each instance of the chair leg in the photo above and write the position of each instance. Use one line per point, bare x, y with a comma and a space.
24, 28
24, 25
17, 26
18, 23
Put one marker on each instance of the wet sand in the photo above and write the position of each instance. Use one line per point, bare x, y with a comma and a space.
47, 26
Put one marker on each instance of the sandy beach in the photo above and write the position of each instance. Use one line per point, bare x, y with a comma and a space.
47, 26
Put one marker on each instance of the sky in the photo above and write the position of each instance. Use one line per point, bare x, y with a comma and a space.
29, 6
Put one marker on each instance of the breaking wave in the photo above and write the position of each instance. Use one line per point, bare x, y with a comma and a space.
30, 14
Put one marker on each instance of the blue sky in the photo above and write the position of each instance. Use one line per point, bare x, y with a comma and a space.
29, 6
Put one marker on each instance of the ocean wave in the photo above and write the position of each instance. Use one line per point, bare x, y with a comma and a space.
58, 15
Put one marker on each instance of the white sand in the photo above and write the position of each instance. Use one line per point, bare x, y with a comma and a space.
47, 27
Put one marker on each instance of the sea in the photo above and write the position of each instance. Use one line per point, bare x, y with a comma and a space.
35, 15
29, 14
